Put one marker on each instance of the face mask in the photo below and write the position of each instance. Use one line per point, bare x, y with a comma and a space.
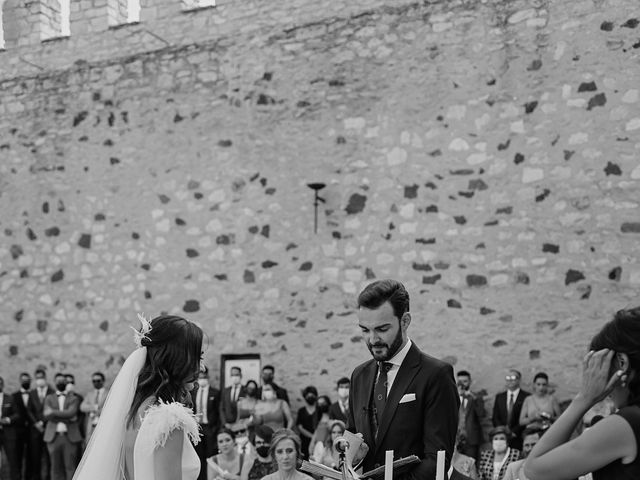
268, 395
97, 384
203, 382
343, 392
61, 386
26, 384
41, 382
235, 379
323, 407
310, 399
263, 451
499, 446
242, 441
69, 387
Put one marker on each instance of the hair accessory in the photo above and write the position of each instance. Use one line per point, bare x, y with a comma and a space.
138, 335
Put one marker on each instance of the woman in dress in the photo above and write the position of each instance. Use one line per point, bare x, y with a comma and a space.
247, 403
263, 464
307, 418
493, 462
540, 408
272, 411
145, 431
610, 449
285, 449
324, 452
227, 465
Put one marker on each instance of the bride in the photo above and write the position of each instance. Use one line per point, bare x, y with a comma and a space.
145, 432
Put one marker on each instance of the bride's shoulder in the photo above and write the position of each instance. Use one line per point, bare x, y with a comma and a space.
161, 419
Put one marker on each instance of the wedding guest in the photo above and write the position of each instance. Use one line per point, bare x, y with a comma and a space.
20, 455
39, 459
228, 463
62, 431
247, 404
263, 464
285, 449
324, 452
493, 462
206, 406
93, 403
470, 416
230, 397
272, 411
268, 373
507, 406
515, 470
541, 408
340, 409
307, 418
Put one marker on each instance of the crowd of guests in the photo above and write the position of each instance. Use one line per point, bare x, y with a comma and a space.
45, 429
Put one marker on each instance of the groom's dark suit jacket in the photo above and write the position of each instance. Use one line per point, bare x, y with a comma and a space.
420, 415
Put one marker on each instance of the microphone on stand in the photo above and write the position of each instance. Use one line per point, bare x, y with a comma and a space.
341, 444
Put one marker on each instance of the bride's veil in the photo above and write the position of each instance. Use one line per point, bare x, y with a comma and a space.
104, 457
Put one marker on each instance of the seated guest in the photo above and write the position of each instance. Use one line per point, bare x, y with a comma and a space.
285, 449
541, 408
272, 411
228, 463
610, 449
340, 409
515, 470
263, 464
494, 462
507, 406
325, 453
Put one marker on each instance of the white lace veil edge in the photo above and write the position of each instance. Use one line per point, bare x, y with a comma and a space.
104, 457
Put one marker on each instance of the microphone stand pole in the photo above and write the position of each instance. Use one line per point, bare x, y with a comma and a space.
343, 466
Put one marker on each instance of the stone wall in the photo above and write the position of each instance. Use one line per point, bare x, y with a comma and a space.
484, 153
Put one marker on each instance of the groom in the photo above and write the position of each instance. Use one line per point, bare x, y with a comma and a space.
403, 399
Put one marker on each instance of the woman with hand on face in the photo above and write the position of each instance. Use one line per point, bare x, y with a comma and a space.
285, 449
228, 462
611, 448
540, 409
272, 411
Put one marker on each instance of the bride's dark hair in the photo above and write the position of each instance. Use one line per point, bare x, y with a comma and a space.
174, 349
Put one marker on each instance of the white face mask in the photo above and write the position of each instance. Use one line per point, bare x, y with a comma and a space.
235, 379
499, 445
203, 382
343, 392
242, 441
269, 395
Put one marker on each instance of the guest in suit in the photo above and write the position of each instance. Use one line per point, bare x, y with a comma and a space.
230, 396
92, 404
403, 399
206, 406
19, 457
8, 419
470, 417
340, 409
268, 374
39, 460
507, 407
62, 432
71, 387
494, 462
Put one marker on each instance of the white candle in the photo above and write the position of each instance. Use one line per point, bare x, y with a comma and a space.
388, 465
440, 465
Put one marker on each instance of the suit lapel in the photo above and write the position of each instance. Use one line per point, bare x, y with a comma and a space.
366, 389
406, 373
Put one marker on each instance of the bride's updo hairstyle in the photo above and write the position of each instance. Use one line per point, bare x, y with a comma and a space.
174, 349
622, 335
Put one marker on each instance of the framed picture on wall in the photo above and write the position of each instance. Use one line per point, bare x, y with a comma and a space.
249, 363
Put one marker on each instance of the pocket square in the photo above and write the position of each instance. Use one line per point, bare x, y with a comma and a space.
408, 397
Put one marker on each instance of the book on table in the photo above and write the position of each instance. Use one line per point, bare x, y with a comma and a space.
399, 466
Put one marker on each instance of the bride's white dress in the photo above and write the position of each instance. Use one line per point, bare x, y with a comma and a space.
158, 423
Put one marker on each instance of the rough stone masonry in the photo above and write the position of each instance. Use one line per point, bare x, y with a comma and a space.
483, 152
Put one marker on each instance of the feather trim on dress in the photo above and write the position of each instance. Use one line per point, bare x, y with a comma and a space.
162, 419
